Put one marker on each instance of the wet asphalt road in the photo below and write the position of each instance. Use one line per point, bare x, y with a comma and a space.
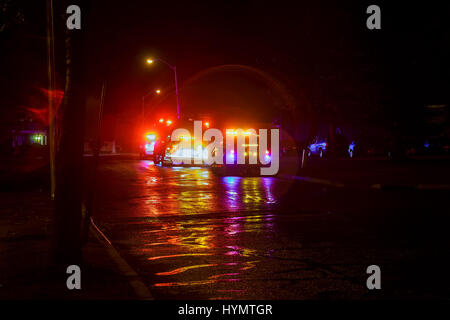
191, 234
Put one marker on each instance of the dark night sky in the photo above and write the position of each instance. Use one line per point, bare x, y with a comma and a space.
319, 51
300, 43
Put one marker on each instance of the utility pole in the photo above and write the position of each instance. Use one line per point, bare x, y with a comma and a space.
176, 91
69, 173
51, 88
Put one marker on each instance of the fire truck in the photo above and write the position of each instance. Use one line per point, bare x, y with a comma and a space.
165, 152
244, 139
153, 138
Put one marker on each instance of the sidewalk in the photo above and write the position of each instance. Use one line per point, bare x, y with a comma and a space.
422, 174
25, 252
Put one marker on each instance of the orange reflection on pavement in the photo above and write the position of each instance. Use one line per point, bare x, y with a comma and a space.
183, 269
179, 255
192, 283
224, 275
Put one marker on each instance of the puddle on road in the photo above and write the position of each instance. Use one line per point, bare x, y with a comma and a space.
209, 252
183, 269
184, 190
205, 252
198, 229
178, 255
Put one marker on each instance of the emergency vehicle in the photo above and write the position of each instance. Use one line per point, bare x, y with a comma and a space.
164, 152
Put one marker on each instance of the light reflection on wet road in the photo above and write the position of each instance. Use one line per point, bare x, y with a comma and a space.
192, 234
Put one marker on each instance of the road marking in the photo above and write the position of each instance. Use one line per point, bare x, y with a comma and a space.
142, 292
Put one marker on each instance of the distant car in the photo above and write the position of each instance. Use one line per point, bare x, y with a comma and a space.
318, 147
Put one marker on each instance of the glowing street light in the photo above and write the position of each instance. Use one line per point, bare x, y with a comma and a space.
174, 69
157, 91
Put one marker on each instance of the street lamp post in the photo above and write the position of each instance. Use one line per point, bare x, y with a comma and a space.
174, 69
157, 91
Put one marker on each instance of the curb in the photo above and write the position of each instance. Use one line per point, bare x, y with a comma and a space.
410, 186
140, 289
376, 186
311, 180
